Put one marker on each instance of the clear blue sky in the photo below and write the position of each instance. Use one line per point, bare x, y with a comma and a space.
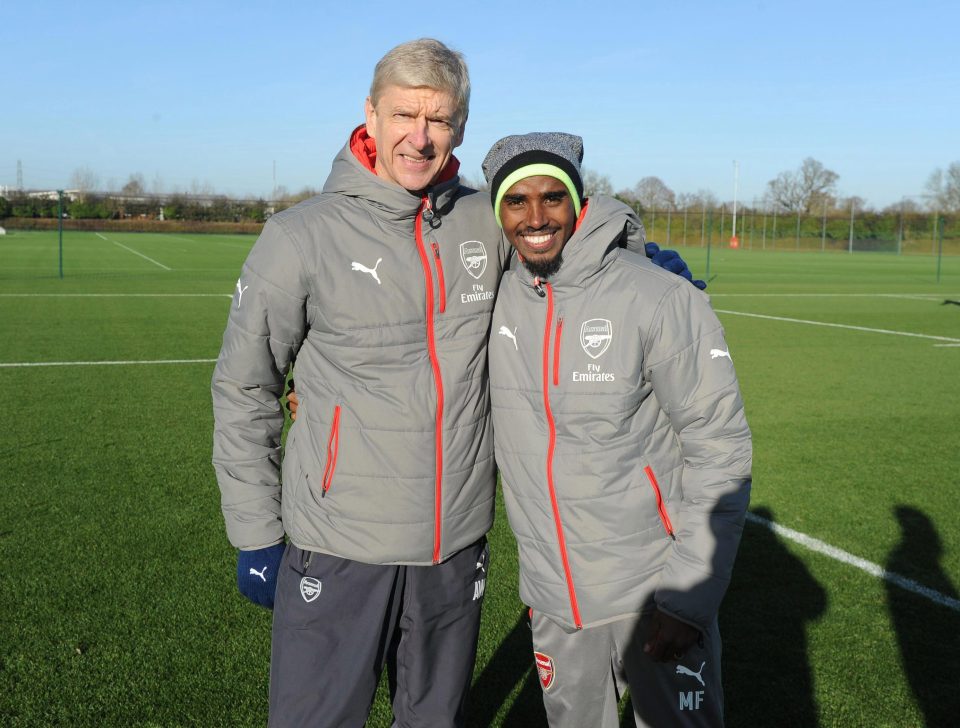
216, 92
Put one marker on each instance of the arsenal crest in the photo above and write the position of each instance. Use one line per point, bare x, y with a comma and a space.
310, 588
545, 669
474, 257
595, 336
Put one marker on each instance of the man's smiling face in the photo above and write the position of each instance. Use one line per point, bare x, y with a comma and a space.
416, 130
538, 219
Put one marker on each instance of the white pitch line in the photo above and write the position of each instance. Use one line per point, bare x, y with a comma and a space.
821, 547
9, 365
103, 237
841, 326
115, 295
910, 296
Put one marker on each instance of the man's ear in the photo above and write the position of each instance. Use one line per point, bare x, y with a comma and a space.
458, 139
370, 114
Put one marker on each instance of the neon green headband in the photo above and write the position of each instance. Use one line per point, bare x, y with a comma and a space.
536, 170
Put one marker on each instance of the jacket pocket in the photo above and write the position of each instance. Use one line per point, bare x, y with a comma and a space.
556, 352
333, 447
441, 284
661, 507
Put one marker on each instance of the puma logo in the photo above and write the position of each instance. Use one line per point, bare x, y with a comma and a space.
262, 573
240, 291
681, 670
715, 353
354, 265
504, 331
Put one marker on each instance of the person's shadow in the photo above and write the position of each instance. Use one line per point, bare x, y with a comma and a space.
763, 626
928, 629
510, 664
763, 622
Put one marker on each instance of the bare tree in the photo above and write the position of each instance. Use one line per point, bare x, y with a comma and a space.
697, 200
595, 183
477, 183
855, 201
135, 186
305, 193
653, 194
804, 189
201, 189
943, 189
904, 206
84, 180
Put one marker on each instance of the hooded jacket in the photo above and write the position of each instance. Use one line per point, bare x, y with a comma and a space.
620, 433
384, 299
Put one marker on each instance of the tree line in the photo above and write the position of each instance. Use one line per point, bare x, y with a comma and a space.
811, 189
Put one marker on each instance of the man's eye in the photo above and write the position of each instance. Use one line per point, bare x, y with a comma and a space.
440, 123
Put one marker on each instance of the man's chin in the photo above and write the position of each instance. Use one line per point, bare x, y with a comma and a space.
417, 180
543, 267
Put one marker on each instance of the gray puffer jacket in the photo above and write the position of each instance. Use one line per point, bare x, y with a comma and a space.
620, 434
384, 300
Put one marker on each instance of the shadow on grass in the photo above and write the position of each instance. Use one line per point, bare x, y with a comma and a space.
928, 632
763, 620
510, 664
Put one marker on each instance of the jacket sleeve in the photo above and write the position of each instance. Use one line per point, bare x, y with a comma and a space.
264, 331
692, 374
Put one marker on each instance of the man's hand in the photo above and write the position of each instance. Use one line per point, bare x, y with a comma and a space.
257, 574
293, 401
669, 638
670, 260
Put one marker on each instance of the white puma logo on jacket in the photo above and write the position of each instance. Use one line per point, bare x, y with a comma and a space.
240, 291
504, 331
354, 265
681, 670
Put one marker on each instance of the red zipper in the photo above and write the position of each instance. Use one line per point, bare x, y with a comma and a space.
443, 287
333, 447
550, 450
435, 363
556, 352
661, 508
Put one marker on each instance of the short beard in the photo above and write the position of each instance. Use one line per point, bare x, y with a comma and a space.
544, 268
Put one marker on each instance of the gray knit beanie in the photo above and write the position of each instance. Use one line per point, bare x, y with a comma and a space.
551, 154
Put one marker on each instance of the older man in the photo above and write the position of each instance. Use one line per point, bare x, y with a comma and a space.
623, 447
382, 288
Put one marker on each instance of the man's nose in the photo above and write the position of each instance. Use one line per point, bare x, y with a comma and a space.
419, 134
536, 214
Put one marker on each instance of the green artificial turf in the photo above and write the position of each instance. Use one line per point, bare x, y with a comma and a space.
117, 593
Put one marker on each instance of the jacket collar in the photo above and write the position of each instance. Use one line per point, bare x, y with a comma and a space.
353, 174
596, 242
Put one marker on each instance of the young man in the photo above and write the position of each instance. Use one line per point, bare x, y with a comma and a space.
623, 447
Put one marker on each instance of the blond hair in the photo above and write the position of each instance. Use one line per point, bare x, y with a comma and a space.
425, 63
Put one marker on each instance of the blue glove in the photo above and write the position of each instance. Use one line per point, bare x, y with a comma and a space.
257, 572
670, 260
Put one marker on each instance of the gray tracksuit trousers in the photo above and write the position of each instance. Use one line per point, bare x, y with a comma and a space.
336, 623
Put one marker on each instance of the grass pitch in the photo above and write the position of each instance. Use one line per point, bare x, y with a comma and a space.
117, 589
